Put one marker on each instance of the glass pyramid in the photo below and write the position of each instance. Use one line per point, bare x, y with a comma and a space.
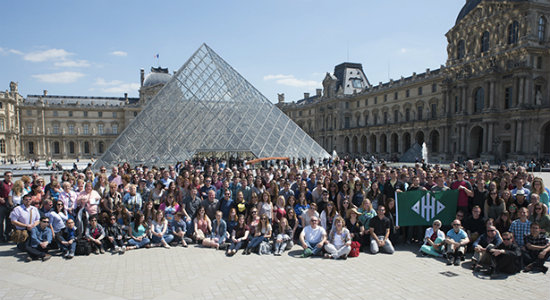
208, 107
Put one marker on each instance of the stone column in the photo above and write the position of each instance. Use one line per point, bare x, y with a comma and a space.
514, 136
519, 135
492, 95
521, 82
490, 137
484, 143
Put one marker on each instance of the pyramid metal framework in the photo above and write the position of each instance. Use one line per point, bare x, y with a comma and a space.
208, 106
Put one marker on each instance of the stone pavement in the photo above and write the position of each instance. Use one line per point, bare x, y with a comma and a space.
196, 273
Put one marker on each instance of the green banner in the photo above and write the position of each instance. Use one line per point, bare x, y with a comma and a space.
423, 207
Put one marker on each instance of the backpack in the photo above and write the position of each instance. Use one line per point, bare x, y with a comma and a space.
355, 246
83, 247
265, 248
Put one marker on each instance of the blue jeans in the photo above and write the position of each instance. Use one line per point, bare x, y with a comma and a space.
236, 246
144, 241
256, 241
167, 238
313, 248
71, 248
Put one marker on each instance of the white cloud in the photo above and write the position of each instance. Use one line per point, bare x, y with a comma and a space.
404, 50
5, 51
290, 80
72, 63
47, 55
119, 53
122, 88
116, 86
61, 77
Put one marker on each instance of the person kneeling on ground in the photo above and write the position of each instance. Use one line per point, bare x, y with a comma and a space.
95, 234
379, 228
67, 239
41, 237
339, 240
115, 236
482, 246
537, 250
456, 242
312, 238
434, 240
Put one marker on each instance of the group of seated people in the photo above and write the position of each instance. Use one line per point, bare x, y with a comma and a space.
334, 210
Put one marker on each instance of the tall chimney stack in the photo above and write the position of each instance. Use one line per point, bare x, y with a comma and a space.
142, 76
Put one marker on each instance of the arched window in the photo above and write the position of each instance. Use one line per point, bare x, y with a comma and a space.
542, 29
31, 147
2, 146
460, 49
513, 33
485, 41
100, 147
479, 100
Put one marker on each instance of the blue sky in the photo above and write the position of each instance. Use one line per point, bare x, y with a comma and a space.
96, 48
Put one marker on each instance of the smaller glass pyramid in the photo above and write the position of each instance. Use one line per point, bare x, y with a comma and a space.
208, 107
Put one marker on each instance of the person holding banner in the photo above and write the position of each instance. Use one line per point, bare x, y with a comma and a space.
456, 242
465, 190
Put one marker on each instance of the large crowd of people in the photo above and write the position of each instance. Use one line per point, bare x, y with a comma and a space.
335, 209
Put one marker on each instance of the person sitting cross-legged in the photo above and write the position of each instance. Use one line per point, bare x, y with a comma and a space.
537, 250
339, 240
312, 238
482, 246
456, 242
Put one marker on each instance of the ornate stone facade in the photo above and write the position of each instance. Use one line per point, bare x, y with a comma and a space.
61, 127
490, 101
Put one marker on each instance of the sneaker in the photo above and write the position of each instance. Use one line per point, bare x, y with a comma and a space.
462, 258
307, 253
544, 269
123, 249
101, 251
96, 251
117, 249
46, 257
449, 260
344, 257
28, 259
457, 261
167, 246
65, 254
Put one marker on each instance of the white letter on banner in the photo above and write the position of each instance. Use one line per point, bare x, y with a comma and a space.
428, 207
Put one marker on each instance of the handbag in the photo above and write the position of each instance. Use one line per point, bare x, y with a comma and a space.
355, 249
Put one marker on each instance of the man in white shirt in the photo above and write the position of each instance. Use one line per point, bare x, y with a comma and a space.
312, 238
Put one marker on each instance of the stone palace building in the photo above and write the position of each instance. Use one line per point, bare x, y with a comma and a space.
489, 101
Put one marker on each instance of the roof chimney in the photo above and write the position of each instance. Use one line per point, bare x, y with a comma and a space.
45, 92
281, 97
306, 95
142, 76
126, 97
318, 92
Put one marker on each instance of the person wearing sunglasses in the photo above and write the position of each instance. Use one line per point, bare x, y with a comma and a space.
456, 242
506, 257
41, 237
482, 245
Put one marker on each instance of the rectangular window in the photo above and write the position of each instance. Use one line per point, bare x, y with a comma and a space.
395, 96
434, 111
70, 113
434, 87
29, 128
100, 114
346, 105
115, 128
71, 129
346, 122
300, 113
385, 117
508, 97
420, 91
85, 129
407, 114
114, 114
2, 125
420, 108
395, 116
456, 104
407, 93
85, 113
29, 112
135, 113
55, 113
100, 128
358, 104
55, 128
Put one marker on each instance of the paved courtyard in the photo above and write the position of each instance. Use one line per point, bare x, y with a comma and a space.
197, 273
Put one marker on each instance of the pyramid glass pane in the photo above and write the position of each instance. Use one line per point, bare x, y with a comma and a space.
208, 107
